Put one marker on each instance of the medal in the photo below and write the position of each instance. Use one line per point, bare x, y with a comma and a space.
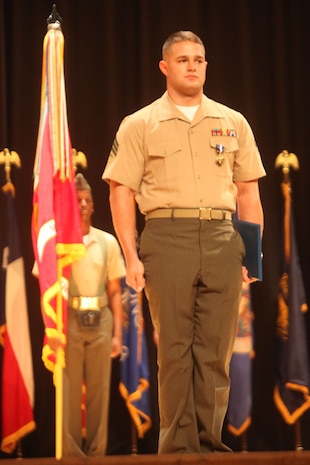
219, 151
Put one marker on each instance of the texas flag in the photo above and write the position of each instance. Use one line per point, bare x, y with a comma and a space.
17, 371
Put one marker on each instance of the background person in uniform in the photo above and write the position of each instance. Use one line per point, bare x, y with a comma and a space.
187, 160
94, 332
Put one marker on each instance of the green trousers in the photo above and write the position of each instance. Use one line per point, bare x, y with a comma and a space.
88, 359
193, 285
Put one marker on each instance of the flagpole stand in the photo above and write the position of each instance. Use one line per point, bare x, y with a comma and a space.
244, 442
298, 440
134, 439
19, 450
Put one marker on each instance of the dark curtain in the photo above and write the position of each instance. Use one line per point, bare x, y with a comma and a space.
258, 54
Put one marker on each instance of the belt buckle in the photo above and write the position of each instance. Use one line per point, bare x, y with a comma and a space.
205, 213
89, 303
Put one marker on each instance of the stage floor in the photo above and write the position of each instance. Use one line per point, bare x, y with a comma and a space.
236, 458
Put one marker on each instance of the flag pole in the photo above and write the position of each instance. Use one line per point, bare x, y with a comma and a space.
55, 20
56, 214
58, 374
286, 161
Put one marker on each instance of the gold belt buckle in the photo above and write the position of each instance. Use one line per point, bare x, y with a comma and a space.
205, 213
85, 303
89, 303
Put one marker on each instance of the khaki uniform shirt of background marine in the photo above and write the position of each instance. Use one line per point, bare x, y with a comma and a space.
170, 161
103, 261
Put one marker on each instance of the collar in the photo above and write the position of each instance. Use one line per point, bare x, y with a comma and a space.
92, 237
207, 108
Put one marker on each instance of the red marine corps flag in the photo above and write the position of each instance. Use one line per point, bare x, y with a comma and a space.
56, 226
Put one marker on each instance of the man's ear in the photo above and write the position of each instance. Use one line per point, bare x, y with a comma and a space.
163, 67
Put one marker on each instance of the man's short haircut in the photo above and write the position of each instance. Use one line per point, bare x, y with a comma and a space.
81, 184
181, 36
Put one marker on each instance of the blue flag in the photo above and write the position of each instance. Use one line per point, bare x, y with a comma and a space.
134, 384
240, 397
291, 393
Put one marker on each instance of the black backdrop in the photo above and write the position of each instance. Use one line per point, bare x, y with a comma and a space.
258, 54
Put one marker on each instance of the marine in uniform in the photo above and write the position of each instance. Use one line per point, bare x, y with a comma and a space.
93, 333
187, 160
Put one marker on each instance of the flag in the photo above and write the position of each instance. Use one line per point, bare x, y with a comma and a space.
134, 384
240, 397
17, 370
56, 225
291, 392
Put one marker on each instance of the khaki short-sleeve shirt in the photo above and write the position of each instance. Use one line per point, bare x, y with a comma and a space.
102, 262
170, 161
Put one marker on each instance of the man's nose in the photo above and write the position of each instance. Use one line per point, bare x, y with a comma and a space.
83, 202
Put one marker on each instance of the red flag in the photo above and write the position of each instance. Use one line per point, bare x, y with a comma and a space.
56, 224
17, 370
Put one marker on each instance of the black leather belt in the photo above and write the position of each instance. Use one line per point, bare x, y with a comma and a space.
202, 213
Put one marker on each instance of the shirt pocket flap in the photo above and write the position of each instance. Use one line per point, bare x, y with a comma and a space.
228, 144
163, 148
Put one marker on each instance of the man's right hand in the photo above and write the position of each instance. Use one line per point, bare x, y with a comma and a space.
135, 275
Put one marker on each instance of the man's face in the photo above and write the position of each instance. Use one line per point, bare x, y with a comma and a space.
184, 66
86, 203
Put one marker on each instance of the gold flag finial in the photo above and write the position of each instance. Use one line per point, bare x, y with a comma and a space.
8, 158
79, 158
286, 161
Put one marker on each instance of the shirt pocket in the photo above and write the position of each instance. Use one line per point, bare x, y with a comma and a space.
227, 148
164, 160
